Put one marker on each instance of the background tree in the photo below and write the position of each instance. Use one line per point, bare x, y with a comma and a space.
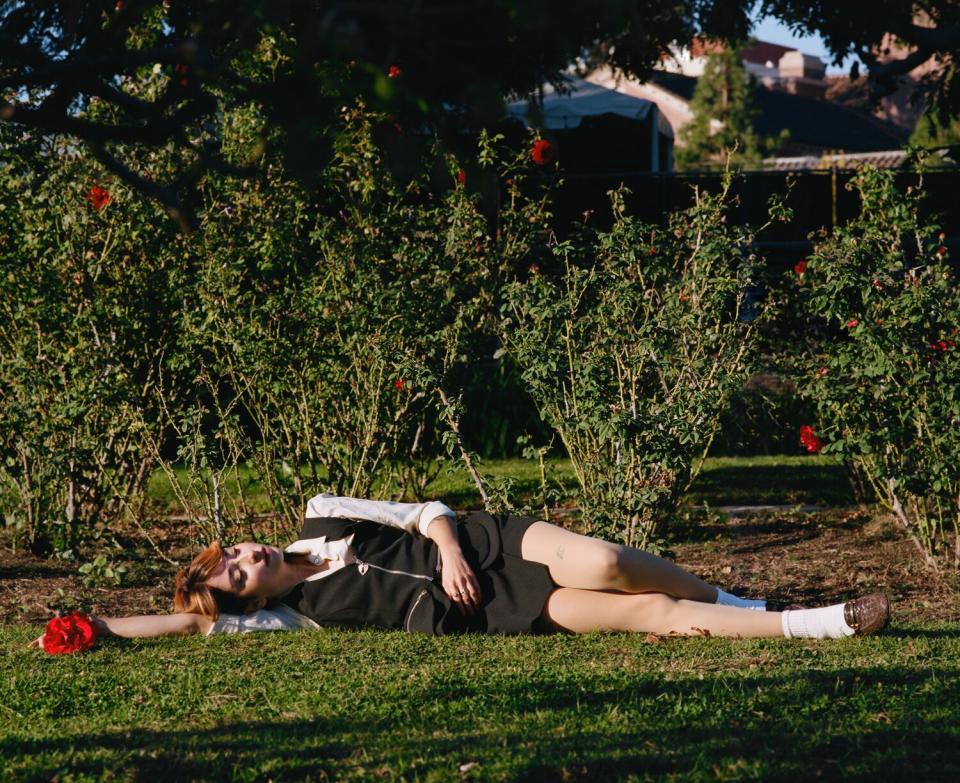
723, 117
60, 59
934, 133
929, 31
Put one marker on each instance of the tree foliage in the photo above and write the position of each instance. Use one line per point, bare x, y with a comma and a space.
60, 59
929, 30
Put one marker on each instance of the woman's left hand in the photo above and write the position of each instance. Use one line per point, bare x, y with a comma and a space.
459, 582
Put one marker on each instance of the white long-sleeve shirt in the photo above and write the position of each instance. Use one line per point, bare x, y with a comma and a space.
414, 518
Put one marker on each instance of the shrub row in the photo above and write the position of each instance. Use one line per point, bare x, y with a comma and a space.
321, 336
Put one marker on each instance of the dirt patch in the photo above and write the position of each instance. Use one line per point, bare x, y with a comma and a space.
809, 558
818, 558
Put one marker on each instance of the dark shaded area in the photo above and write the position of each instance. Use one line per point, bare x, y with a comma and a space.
808, 483
860, 724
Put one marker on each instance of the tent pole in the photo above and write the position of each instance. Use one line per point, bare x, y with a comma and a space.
654, 139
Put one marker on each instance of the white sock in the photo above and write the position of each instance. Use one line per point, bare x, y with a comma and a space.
727, 599
824, 623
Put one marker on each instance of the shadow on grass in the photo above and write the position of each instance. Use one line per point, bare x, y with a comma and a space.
813, 483
872, 723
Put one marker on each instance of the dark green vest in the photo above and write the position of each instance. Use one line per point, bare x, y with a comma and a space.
395, 582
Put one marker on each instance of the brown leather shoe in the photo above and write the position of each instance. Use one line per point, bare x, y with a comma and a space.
868, 615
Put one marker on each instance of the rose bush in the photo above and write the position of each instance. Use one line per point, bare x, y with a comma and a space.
87, 322
880, 360
631, 350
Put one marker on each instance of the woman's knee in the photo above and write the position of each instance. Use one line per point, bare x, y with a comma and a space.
606, 561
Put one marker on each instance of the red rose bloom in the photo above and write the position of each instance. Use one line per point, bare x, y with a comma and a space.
70, 633
853, 322
821, 373
98, 197
941, 251
800, 267
461, 177
399, 384
394, 72
543, 152
809, 439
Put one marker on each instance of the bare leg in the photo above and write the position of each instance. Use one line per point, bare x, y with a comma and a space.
582, 611
592, 564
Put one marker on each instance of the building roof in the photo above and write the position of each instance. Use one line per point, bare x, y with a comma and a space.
763, 52
819, 123
812, 122
888, 159
585, 99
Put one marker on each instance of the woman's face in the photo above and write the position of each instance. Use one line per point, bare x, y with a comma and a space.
251, 571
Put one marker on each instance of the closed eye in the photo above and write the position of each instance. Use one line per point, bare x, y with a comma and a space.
236, 575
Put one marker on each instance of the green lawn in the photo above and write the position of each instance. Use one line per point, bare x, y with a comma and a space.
723, 481
335, 705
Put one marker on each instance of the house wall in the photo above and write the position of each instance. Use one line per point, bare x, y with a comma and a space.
673, 109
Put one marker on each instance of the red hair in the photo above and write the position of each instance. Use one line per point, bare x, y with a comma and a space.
193, 594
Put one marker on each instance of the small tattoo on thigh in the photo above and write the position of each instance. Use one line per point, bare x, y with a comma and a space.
560, 552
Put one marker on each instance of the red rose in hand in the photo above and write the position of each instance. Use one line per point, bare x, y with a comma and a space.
800, 267
809, 439
98, 197
543, 152
70, 633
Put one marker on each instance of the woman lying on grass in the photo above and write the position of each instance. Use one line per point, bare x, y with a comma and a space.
413, 566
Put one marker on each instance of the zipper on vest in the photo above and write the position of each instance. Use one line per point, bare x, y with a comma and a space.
363, 566
416, 603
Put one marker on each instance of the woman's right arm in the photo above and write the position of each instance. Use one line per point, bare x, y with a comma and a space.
145, 625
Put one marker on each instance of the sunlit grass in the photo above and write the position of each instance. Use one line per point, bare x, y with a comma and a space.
335, 705
819, 480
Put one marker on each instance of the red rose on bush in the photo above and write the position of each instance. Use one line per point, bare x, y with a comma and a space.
399, 384
809, 439
70, 633
800, 267
852, 323
461, 177
543, 152
98, 197
394, 72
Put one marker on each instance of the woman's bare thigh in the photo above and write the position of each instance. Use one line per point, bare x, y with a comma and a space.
573, 560
591, 564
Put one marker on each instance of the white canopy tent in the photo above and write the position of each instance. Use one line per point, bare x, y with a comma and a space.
565, 111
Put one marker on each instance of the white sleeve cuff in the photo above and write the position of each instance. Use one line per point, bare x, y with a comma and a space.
412, 517
431, 511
